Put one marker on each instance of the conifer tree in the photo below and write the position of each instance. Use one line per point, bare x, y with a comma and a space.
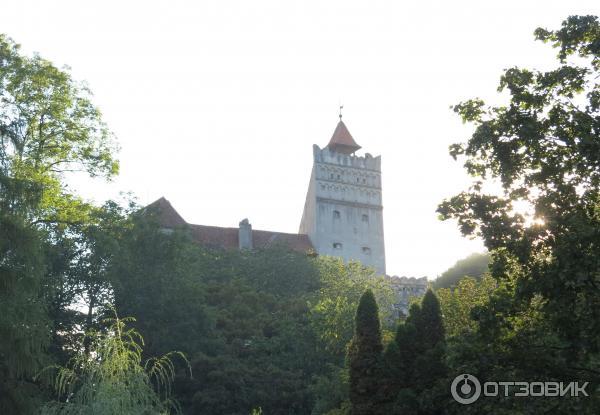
429, 366
398, 363
365, 357
414, 361
414, 314
430, 326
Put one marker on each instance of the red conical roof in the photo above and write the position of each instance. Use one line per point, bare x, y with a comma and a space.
342, 141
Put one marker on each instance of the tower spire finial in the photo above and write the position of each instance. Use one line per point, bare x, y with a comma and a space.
341, 108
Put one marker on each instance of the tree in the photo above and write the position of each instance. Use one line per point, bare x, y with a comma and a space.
156, 278
430, 366
415, 367
542, 147
428, 322
24, 324
112, 379
364, 357
48, 124
48, 128
457, 304
399, 369
333, 310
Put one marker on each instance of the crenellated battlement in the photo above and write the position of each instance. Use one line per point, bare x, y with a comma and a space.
409, 283
406, 288
329, 156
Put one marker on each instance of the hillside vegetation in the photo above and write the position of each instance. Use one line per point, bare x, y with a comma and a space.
475, 265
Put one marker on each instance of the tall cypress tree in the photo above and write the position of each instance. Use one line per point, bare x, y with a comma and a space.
398, 365
414, 361
429, 324
365, 357
430, 365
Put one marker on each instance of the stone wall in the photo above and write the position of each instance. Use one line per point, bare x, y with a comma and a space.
406, 288
343, 213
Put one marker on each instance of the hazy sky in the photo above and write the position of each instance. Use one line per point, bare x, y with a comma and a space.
216, 104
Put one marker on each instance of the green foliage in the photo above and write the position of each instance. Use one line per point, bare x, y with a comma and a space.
262, 321
111, 379
344, 409
399, 358
155, 278
364, 356
333, 310
24, 324
414, 363
48, 127
542, 322
428, 322
47, 122
249, 321
331, 391
475, 266
458, 303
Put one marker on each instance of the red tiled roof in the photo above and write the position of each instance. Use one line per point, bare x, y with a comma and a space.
168, 216
297, 242
227, 238
341, 140
215, 236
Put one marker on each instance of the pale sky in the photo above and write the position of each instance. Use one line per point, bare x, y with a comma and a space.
216, 104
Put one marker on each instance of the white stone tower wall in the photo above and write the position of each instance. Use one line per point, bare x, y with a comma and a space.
343, 213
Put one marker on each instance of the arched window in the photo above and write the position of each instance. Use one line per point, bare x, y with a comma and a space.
366, 250
336, 214
365, 218
337, 245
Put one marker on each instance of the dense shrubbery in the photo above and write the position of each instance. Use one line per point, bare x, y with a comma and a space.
261, 329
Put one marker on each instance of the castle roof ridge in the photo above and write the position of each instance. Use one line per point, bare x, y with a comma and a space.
226, 237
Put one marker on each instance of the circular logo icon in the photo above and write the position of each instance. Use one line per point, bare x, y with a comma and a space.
465, 389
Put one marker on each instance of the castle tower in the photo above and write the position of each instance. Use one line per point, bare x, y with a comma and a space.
343, 212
